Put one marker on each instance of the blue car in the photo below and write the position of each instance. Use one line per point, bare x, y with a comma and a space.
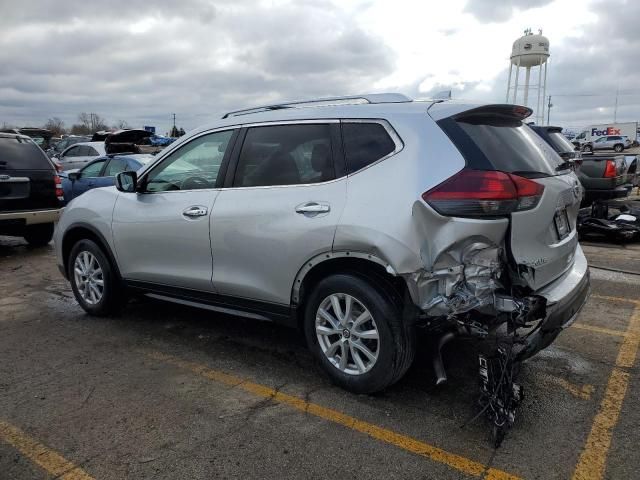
101, 172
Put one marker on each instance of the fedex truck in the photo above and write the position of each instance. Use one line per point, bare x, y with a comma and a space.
593, 132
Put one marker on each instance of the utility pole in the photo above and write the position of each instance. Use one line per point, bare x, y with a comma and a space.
549, 105
615, 109
174, 120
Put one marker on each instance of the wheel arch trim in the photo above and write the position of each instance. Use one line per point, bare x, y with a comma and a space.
66, 249
333, 255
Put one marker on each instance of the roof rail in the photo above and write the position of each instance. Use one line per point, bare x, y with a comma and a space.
348, 100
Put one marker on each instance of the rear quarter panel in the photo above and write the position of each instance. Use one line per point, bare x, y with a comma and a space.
385, 214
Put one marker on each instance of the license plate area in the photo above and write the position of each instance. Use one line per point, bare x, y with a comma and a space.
561, 222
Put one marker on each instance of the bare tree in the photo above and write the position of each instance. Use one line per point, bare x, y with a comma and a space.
92, 122
56, 126
122, 125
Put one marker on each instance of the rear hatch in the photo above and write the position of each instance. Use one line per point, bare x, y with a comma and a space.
542, 238
27, 176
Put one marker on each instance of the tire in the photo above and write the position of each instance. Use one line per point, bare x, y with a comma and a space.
39, 235
618, 148
587, 148
394, 348
111, 298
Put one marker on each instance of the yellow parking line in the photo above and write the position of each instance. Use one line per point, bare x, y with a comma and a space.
580, 391
41, 455
606, 331
616, 299
404, 442
592, 462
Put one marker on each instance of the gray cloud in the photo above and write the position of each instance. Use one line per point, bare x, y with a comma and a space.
500, 10
140, 63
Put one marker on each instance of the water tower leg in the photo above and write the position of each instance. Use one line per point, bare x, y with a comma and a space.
509, 81
515, 87
526, 86
539, 104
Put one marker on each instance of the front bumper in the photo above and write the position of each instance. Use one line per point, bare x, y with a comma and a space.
565, 298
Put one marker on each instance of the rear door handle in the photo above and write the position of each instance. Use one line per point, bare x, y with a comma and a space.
195, 211
312, 208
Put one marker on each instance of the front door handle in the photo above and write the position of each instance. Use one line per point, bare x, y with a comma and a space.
312, 208
195, 211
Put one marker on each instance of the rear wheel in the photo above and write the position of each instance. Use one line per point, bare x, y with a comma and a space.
618, 148
93, 280
357, 334
39, 235
587, 148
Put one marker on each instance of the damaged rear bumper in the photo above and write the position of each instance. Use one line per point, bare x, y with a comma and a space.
565, 298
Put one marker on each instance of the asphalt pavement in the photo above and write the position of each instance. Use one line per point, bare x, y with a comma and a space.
165, 392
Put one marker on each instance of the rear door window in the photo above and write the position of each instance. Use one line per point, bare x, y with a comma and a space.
22, 154
73, 152
504, 143
285, 155
365, 143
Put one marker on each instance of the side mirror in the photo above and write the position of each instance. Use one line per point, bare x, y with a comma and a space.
127, 181
73, 176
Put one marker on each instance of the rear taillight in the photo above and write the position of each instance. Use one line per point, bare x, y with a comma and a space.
610, 169
59, 191
480, 193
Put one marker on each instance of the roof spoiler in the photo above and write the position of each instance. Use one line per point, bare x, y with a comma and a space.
515, 111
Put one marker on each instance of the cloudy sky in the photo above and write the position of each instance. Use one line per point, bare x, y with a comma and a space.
140, 61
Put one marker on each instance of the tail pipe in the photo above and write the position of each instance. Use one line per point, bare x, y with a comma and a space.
438, 365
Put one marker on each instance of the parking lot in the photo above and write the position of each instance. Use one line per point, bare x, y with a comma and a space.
164, 391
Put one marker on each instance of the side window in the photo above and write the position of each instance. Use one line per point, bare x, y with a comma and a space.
116, 165
193, 166
93, 170
365, 143
90, 151
285, 155
72, 152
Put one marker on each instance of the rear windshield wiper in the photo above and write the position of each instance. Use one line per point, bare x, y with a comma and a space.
567, 165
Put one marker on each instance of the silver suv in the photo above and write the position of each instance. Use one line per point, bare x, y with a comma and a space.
611, 142
360, 220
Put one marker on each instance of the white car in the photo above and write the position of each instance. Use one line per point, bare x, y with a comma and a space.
78, 155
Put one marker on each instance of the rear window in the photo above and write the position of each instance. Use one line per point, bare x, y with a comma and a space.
365, 143
561, 143
22, 154
500, 142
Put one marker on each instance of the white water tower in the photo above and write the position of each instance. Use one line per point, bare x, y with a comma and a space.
529, 52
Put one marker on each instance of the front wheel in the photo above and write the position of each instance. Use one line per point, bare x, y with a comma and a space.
93, 280
357, 334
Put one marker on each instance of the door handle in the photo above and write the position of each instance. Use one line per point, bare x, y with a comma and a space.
195, 211
312, 208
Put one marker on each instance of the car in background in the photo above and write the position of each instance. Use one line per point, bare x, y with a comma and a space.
57, 148
30, 190
100, 172
41, 136
160, 140
78, 155
610, 142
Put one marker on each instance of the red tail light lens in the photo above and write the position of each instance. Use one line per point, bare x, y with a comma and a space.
479, 193
59, 191
610, 169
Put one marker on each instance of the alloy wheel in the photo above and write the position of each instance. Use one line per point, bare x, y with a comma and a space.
88, 277
347, 334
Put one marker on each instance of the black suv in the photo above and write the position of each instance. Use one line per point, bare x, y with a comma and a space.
30, 190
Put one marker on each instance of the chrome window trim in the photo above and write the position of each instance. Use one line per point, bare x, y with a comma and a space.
397, 140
